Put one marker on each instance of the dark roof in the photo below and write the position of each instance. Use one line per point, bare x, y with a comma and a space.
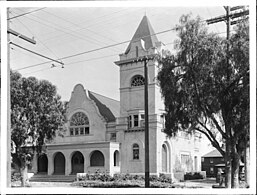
214, 153
108, 108
144, 31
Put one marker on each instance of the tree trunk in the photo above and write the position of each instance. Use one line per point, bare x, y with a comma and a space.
24, 175
247, 165
235, 171
228, 165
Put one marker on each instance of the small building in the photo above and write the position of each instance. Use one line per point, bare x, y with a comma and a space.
211, 162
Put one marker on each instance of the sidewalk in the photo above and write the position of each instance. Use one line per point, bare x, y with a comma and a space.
200, 183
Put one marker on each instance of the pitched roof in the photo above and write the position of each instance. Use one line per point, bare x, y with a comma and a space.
144, 31
108, 108
214, 153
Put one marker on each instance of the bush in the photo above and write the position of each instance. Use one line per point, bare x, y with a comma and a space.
104, 177
193, 175
15, 177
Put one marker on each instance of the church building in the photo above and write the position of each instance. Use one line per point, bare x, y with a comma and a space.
107, 135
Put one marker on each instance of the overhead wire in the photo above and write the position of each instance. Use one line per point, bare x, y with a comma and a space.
94, 50
80, 61
38, 39
76, 25
57, 27
90, 21
17, 16
97, 49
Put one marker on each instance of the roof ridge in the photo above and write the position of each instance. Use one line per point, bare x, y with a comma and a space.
104, 96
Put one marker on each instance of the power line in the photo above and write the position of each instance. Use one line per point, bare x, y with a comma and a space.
25, 13
101, 48
71, 32
74, 24
98, 49
36, 53
38, 39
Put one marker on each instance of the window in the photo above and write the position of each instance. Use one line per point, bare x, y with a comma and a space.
116, 158
113, 136
71, 131
135, 151
79, 124
211, 170
136, 120
81, 130
211, 160
137, 80
185, 162
136, 51
130, 121
162, 120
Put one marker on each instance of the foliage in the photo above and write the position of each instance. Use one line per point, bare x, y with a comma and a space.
104, 177
37, 114
193, 175
205, 92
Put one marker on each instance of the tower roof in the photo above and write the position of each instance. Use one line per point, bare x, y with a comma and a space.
144, 31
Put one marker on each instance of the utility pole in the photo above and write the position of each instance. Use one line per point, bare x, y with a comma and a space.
32, 41
147, 182
228, 178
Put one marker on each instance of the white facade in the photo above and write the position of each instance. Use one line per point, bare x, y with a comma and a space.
108, 136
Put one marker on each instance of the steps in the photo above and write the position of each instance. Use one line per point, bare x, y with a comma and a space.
52, 178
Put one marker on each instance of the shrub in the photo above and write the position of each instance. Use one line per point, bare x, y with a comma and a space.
193, 175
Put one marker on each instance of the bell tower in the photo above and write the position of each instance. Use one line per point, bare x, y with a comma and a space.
130, 124
144, 43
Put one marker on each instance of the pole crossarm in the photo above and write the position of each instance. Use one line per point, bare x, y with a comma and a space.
15, 33
37, 53
224, 17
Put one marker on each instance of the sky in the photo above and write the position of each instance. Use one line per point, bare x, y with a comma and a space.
61, 32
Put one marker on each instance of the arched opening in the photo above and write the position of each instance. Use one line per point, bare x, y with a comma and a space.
135, 150
97, 159
59, 164
164, 158
42, 163
137, 80
77, 163
116, 158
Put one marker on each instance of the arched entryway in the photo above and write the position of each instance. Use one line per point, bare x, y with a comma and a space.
59, 164
77, 163
96, 159
42, 164
164, 158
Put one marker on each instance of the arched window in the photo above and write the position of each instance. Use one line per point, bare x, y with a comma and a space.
135, 151
116, 158
79, 124
164, 158
97, 159
137, 80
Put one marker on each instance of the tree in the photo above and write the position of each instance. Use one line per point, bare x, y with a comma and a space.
37, 114
203, 93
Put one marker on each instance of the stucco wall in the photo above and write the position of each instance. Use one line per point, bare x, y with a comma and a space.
80, 102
